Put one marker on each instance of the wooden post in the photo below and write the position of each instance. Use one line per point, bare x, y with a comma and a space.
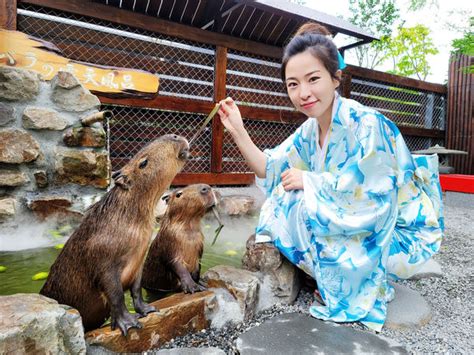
346, 83
8, 14
219, 94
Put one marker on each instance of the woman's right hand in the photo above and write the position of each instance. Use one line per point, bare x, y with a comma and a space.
230, 116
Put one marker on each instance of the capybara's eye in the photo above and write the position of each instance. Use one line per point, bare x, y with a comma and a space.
143, 164
178, 194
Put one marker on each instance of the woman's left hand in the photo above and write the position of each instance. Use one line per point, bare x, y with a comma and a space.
292, 179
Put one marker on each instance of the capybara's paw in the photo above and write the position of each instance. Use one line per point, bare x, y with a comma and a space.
125, 322
191, 287
144, 309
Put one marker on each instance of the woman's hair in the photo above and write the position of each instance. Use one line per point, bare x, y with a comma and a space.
316, 38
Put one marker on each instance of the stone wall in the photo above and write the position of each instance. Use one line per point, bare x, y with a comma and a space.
49, 160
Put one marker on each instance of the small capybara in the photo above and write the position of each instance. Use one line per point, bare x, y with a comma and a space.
173, 260
104, 257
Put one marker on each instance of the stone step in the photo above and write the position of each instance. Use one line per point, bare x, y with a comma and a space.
296, 333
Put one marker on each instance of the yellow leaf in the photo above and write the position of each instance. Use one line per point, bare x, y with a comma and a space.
40, 276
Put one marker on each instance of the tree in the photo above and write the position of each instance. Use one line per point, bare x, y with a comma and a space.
378, 17
465, 45
409, 51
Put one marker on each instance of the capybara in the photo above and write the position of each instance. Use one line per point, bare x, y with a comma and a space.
173, 261
104, 257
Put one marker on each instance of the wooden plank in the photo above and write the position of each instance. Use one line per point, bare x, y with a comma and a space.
214, 179
421, 132
219, 94
395, 79
151, 23
253, 68
8, 14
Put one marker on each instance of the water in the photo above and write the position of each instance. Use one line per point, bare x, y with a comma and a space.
22, 265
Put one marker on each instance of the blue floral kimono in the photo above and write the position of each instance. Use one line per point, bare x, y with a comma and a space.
369, 210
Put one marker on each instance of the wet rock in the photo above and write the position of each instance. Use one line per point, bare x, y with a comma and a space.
236, 205
7, 114
17, 147
296, 333
192, 351
430, 269
7, 207
43, 118
58, 206
41, 178
83, 167
12, 178
18, 84
408, 310
178, 315
32, 323
242, 285
93, 137
71, 97
261, 256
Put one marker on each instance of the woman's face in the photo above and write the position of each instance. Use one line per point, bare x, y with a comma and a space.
310, 86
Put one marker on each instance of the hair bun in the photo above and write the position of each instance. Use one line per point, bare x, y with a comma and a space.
312, 28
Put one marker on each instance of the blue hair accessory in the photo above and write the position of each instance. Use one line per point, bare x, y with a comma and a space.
342, 64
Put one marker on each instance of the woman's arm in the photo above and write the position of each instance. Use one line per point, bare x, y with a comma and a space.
232, 120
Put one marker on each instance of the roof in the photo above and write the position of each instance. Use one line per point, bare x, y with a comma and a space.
271, 22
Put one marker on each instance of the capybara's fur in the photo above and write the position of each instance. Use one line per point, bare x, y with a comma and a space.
173, 261
104, 257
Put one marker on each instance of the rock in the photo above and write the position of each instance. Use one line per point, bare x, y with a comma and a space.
236, 205
12, 178
191, 351
178, 315
18, 84
41, 178
17, 147
7, 114
85, 137
58, 206
408, 310
32, 323
7, 207
242, 285
83, 167
226, 310
261, 256
295, 333
429, 269
43, 118
71, 97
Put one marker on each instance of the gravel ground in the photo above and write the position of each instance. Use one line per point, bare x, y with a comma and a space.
449, 331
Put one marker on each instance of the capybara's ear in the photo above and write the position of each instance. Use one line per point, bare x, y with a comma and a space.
122, 180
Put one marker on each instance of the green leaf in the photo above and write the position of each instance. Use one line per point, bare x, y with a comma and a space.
40, 276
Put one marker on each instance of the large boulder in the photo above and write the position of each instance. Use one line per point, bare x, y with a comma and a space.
34, 324
43, 118
17, 146
70, 95
18, 84
93, 137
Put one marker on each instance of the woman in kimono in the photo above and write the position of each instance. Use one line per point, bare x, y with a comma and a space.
346, 201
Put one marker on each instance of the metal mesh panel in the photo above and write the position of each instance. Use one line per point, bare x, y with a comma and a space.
405, 107
255, 81
132, 128
185, 68
264, 134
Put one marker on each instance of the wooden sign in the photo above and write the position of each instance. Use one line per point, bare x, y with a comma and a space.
19, 50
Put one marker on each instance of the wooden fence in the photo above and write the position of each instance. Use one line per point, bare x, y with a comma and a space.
196, 69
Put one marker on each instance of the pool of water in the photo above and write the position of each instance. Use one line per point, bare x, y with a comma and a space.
22, 265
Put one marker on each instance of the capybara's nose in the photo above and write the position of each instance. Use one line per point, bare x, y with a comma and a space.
205, 189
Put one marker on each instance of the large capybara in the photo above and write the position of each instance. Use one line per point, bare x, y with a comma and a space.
104, 257
173, 261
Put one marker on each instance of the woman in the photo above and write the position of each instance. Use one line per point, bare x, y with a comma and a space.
346, 201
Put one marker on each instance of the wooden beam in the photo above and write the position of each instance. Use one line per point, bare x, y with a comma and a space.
214, 179
395, 79
154, 24
8, 14
422, 132
219, 94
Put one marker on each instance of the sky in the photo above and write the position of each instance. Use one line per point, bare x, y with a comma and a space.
439, 19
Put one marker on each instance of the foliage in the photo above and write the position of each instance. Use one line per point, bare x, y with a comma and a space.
416, 5
409, 51
378, 17
465, 45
